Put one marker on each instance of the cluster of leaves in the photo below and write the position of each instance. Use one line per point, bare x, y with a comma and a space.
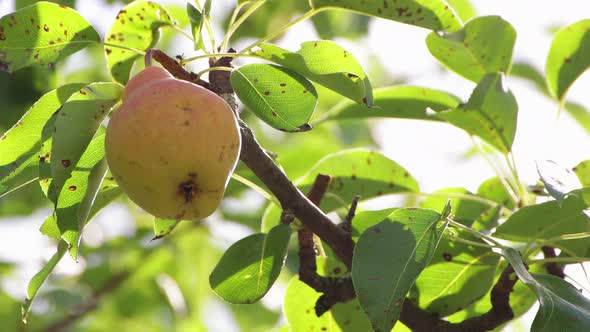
446, 263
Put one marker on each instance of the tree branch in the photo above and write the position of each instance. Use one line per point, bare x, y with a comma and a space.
335, 290
89, 305
338, 239
552, 267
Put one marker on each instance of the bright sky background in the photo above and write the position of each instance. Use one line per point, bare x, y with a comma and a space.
432, 152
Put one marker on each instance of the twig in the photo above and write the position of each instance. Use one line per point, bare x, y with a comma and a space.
90, 304
335, 290
347, 224
552, 267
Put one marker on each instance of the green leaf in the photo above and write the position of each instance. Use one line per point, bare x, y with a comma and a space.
74, 203
400, 101
197, 20
39, 278
433, 15
325, 63
109, 191
278, 96
466, 207
458, 275
463, 8
483, 46
136, 26
562, 307
548, 220
366, 219
530, 73
490, 113
163, 227
42, 33
354, 172
75, 125
19, 146
409, 237
559, 181
582, 170
568, 58
494, 190
300, 300
250, 266
580, 113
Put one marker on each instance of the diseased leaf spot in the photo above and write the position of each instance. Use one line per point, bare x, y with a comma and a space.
46, 28
376, 230
266, 93
66, 163
447, 257
72, 188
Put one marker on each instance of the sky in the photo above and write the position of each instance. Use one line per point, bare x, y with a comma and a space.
432, 152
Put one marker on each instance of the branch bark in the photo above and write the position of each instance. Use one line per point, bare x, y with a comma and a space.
552, 267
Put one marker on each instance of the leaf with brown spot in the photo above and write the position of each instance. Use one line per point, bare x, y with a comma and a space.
434, 14
141, 33
568, 58
410, 239
74, 131
256, 86
325, 63
35, 34
484, 45
19, 146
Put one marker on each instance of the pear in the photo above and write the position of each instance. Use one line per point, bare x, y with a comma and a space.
172, 146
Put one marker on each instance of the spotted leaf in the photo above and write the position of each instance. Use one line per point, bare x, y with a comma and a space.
429, 14
136, 26
42, 33
278, 96
325, 63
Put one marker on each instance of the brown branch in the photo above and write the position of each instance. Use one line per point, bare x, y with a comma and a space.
335, 290
347, 224
174, 68
552, 267
89, 305
338, 239
292, 199
499, 314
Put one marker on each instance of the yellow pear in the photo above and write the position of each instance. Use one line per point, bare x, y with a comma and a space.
172, 146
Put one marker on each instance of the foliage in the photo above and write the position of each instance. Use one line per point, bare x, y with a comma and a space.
440, 255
